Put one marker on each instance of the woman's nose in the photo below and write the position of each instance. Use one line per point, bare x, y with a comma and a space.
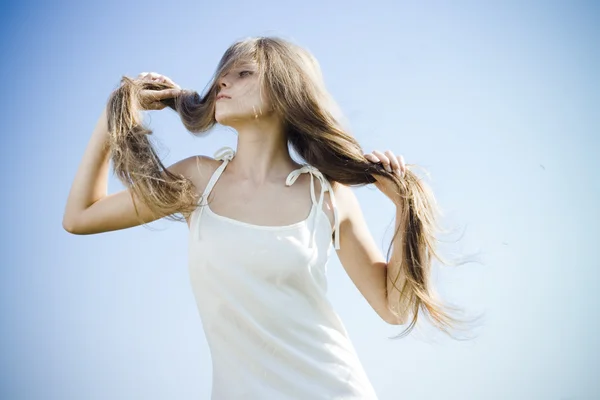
223, 82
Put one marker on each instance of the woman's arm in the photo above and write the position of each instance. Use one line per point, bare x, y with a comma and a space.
362, 259
89, 208
91, 180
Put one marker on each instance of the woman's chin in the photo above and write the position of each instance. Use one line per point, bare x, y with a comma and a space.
229, 119
222, 119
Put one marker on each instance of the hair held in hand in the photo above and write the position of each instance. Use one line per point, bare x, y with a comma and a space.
291, 78
136, 162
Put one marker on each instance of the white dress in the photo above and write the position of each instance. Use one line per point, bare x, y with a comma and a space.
261, 296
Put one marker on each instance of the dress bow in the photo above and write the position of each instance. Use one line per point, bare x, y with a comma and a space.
325, 187
224, 153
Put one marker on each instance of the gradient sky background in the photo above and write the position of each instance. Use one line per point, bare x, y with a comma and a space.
498, 101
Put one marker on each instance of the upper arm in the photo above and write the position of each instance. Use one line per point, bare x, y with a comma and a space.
359, 254
117, 211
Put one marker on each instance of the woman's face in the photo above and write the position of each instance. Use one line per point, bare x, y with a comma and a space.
239, 97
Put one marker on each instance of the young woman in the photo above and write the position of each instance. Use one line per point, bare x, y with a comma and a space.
261, 224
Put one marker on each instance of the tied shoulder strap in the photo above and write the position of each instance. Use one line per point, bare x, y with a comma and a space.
224, 154
325, 187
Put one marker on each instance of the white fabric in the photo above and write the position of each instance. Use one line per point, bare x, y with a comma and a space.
261, 295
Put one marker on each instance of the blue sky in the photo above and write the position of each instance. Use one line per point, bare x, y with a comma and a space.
498, 100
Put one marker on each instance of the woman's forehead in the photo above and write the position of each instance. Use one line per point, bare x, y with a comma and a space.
241, 59
245, 64
239, 64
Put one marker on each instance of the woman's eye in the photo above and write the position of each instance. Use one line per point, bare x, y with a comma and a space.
245, 72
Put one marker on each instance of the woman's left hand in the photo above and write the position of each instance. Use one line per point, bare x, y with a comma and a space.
392, 163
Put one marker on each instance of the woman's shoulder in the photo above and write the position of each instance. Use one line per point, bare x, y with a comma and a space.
343, 197
346, 201
198, 169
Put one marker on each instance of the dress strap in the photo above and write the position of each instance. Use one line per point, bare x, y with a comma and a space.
224, 154
325, 187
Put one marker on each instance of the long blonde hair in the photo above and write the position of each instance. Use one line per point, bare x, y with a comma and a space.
292, 80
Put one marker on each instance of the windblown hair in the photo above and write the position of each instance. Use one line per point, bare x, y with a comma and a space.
293, 83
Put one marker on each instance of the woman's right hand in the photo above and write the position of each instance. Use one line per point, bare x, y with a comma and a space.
159, 87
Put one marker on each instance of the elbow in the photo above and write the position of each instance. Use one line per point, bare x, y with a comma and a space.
69, 225
393, 319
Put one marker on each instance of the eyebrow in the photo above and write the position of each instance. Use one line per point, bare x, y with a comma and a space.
246, 64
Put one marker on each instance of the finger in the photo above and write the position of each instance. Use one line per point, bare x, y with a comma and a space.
151, 77
402, 163
384, 160
372, 158
403, 169
168, 94
170, 81
157, 95
160, 78
155, 77
394, 164
149, 95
